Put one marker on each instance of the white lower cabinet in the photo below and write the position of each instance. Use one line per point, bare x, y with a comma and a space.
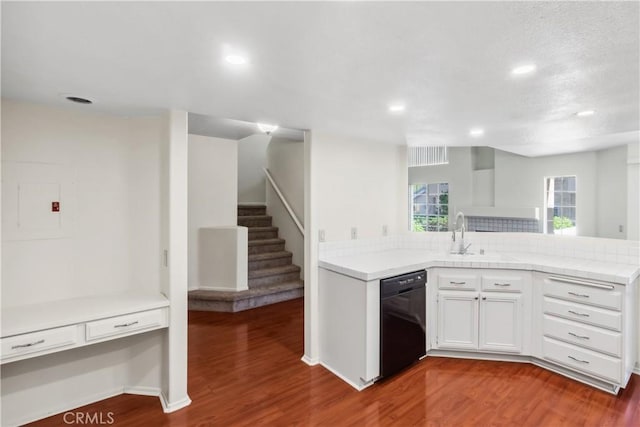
490, 320
457, 320
588, 327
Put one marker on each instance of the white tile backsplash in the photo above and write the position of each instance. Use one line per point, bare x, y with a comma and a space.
585, 248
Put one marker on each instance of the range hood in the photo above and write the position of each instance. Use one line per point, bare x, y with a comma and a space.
501, 212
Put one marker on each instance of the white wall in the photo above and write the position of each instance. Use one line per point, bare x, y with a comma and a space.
285, 161
633, 198
112, 204
611, 193
359, 183
252, 158
349, 183
213, 191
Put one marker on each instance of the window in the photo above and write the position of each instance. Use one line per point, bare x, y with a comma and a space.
429, 207
560, 205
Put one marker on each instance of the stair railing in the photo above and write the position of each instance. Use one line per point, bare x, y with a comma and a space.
284, 201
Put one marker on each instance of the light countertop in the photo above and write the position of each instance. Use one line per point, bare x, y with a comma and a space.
377, 265
35, 317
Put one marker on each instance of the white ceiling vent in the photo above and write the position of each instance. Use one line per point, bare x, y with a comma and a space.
427, 155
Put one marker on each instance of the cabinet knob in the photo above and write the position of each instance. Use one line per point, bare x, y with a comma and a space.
484, 298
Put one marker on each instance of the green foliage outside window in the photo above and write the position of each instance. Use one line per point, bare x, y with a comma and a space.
560, 222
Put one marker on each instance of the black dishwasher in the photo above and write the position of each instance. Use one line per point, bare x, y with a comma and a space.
402, 321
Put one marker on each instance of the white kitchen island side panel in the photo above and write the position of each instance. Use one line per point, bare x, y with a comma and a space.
349, 332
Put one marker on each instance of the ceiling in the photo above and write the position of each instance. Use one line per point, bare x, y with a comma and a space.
200, 124
336, 66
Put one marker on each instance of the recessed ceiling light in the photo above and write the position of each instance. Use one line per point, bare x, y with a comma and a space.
476, 132
523, 69
78, 100
585, 113
396, 108
267, 128
236, 59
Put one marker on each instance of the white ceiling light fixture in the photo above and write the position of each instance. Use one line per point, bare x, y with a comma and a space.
267, 128
523, 69
236, 59
585, 113
476, 132
397, 108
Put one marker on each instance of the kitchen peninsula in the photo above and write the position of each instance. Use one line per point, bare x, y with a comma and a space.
520, 301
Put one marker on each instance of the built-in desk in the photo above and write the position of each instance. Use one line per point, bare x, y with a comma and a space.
39, 329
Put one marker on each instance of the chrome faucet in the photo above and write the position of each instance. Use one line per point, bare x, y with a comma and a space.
462, 249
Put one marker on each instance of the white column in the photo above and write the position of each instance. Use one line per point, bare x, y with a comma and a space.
174, 273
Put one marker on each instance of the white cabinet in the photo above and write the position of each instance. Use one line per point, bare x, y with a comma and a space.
588, 328
500, 322
486, 315
458, 320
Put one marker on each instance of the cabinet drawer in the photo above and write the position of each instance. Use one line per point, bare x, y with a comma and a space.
601, 295
502, 283
583, 313
39, 341
580, 359
125, 325
587, 336
458, 281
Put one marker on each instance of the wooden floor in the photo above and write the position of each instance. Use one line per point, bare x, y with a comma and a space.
245, 369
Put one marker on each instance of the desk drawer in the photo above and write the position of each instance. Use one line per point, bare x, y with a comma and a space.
580, 359
591, 337
126, 324
602, 295
583, 313
458, 281
40, 341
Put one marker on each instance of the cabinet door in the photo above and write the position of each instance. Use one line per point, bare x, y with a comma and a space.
457, 320
500, 323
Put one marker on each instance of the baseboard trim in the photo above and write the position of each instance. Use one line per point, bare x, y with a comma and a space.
168, 407
636, 369
252, 203
69, 406
345, 379
309, 361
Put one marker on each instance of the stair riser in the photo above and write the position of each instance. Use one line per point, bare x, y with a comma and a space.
260, 235
254, 222
258, 210
261, 249
276, 278
269, 263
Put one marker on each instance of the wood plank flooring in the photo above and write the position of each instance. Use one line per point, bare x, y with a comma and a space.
245, 370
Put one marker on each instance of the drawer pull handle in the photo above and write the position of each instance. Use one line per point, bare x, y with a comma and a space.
578, 360
578, 314
578, 295
502, 284
458, 283
124, 325
31, 344
582, 337
581, 282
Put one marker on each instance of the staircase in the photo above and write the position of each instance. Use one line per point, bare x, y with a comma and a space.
272, 276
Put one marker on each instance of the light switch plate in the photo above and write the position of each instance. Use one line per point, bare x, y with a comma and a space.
354, 233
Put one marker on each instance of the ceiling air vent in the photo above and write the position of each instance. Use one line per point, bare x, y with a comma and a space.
427, 155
